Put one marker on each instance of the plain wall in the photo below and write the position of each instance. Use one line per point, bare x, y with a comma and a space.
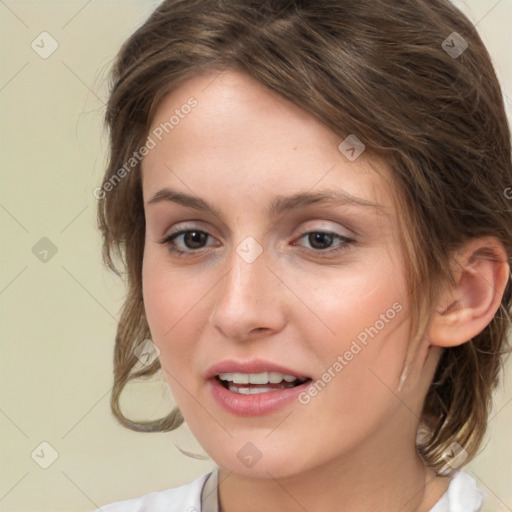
58, 317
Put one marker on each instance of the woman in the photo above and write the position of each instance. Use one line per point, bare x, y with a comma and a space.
309, 201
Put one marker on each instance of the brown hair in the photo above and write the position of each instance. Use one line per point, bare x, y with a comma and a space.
375, 68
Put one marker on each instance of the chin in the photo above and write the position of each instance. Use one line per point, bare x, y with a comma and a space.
259, 460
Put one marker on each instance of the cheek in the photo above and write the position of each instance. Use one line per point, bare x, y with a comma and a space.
163, 310
364, 300
167, 305
361, 332
158, 298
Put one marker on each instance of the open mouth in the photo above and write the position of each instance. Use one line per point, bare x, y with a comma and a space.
255, 383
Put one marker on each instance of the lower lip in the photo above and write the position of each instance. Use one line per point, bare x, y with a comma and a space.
257, 404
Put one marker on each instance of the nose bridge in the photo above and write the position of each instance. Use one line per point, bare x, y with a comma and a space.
245, 283
247, 299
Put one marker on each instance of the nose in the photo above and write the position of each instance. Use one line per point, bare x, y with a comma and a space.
250, 300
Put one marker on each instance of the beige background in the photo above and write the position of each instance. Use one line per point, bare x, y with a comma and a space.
58, 317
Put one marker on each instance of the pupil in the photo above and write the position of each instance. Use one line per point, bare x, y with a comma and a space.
195, 239
319, 240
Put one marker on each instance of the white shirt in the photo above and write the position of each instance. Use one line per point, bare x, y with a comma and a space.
201, 496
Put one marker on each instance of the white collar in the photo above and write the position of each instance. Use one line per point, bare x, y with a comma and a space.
210, 493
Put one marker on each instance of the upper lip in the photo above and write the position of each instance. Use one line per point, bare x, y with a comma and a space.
250, 366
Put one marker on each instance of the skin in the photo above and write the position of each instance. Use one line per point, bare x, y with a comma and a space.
352, 447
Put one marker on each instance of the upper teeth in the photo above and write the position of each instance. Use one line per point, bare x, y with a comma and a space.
257, 378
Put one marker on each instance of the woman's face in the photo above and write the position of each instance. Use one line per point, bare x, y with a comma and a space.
281, 256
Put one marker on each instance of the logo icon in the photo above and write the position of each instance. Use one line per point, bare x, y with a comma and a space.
44, 250
352, 147
454, 45
454, 456
44, 45
249, 455
249, 250
147, 352
44, 455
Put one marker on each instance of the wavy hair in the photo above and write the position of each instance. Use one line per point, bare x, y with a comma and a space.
376, 68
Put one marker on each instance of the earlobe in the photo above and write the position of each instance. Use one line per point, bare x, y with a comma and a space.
464, 310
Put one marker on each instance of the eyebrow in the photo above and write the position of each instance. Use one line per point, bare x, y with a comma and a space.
278, 206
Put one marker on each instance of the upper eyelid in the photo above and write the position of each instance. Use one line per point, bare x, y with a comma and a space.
196, 225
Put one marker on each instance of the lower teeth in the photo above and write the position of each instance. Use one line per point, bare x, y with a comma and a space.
255, 390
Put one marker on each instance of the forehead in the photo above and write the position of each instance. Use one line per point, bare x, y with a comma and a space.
244, 137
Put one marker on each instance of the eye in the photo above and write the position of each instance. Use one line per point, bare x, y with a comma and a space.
324, 240
186, 241
189, 241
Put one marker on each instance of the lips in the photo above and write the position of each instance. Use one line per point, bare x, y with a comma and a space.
232, 385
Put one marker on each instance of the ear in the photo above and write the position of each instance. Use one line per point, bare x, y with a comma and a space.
481, 273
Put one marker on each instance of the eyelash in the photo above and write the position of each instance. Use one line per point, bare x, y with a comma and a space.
343, 246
